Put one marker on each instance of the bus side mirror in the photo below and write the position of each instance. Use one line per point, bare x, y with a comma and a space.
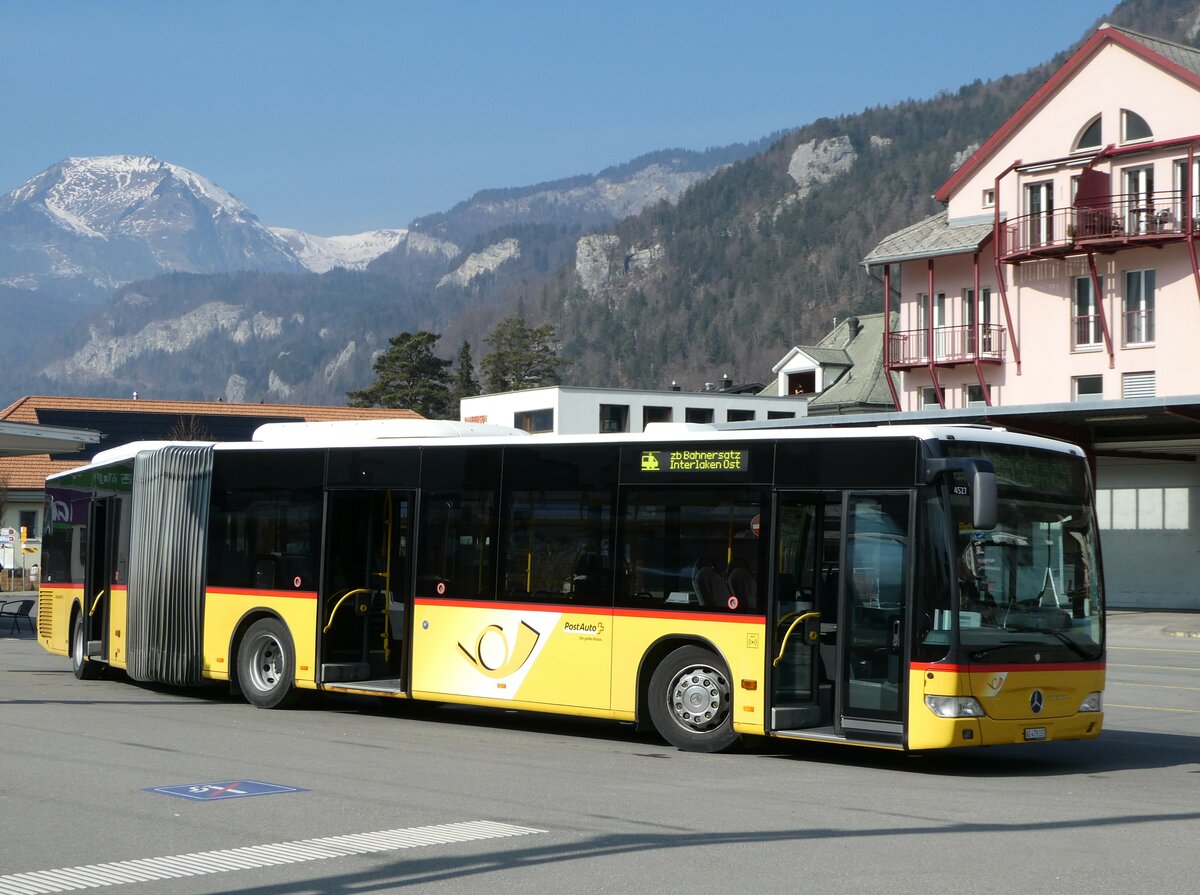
981, 481
983, 498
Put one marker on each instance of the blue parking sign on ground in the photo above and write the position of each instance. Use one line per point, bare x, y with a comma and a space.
225, 789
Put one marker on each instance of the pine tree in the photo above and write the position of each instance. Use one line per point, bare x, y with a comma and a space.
409, 375
522, 357
464, 383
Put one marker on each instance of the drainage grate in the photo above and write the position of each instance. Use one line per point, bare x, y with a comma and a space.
251, 857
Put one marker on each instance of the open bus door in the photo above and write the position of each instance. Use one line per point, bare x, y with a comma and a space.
100, 575
837, 615
366, 590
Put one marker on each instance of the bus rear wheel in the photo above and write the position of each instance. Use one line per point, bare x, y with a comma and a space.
84, 668
266, 665
691, 701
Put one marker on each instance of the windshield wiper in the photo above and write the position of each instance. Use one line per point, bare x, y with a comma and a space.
1058, 635
1070, 644
983, 651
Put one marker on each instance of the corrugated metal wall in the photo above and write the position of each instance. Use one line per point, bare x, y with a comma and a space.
167, 560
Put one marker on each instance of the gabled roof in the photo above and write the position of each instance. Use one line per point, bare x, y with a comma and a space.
836, 357
863, 386
1177, 59
856, 347
930, 238
29, 472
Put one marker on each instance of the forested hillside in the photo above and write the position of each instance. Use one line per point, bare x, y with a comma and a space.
745, 272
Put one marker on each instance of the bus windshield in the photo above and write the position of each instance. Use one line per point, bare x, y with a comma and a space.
1029, 589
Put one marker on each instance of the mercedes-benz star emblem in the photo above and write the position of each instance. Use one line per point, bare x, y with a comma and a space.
1035, 701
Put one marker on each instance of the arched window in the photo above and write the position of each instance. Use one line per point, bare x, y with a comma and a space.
1090, 136
1134, 127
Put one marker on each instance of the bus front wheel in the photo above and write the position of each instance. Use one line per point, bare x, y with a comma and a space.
691, 701
84, 669
266, 665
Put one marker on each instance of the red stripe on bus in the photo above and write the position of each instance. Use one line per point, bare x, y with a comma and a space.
256, 592
989, 669
591, 610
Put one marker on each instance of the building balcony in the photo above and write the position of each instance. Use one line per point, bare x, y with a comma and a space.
951, 345
1105, 224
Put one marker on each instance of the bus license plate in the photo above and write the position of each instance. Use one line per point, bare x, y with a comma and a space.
1035, 733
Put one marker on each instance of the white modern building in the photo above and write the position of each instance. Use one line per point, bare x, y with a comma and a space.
571, 410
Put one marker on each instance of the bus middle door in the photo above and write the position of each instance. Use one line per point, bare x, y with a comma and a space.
365, 597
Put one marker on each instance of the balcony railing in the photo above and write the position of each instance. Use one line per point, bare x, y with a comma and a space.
1139, 326
951, 345
1153, 217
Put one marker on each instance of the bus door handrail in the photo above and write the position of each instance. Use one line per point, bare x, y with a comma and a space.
799, 619
338, 605
95, 603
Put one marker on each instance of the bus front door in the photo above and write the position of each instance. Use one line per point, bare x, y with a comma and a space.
804, 610
876, 559
365, 595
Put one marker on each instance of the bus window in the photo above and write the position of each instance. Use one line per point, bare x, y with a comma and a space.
265, 539
459, 508
457, 545
558, 523
690, 549
557, 546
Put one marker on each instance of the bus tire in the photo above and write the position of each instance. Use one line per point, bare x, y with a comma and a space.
266, 665
691, 701
85, 669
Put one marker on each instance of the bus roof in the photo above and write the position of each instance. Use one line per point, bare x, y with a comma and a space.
381, 433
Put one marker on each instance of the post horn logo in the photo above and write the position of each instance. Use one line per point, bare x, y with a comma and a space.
494, 657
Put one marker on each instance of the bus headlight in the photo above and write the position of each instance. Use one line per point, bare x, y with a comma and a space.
954, 706
1093, 703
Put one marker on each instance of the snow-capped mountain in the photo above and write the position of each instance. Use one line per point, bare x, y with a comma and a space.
97, 223
355, 252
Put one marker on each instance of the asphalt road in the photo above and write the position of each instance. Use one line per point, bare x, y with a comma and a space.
582, 806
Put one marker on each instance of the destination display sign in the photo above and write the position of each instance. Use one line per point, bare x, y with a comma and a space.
696, 460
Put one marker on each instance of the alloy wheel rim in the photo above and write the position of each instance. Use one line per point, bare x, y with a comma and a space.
699, 698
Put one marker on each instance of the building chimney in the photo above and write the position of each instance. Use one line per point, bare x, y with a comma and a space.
853, 328
726, 382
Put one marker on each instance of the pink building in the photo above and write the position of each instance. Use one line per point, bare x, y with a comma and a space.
1064, 267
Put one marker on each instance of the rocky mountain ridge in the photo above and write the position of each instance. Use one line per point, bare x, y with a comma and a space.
94, 224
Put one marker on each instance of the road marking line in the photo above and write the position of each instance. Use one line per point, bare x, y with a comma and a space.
1151, 649
91, 876
1150, 708
1152, 686
1167, 667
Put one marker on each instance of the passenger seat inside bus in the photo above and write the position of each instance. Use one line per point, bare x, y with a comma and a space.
742, 585
711, 589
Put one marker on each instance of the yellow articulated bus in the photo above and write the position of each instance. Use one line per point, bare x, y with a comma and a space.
901, 587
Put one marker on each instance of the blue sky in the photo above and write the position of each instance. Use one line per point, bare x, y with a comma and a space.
341, 117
